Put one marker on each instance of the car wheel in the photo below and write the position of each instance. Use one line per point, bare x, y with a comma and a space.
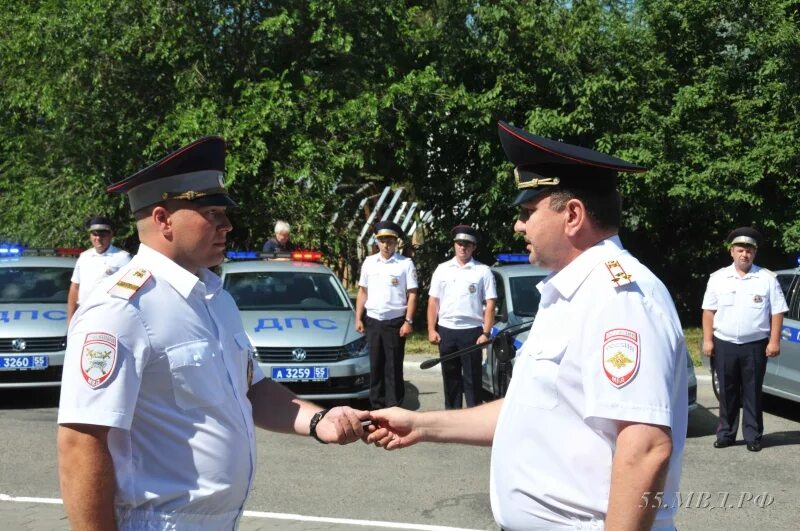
715, 382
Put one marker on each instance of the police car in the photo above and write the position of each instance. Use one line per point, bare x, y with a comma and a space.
517, 302
34, 284
301, 322
782, 377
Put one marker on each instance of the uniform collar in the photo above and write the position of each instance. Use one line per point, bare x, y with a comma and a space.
179, 278
454, 263
395, 257
731, 271
111, 250
567, 281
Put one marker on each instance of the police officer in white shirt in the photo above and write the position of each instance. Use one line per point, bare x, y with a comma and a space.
161, 391
95, 264
594, 421
461, 304
742, 319
387, 291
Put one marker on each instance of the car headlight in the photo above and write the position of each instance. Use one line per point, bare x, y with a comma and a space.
357, 348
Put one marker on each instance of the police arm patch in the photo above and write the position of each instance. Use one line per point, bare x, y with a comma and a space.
620, 356
98, 358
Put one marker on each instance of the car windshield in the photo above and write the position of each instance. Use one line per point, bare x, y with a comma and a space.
34, 284
285, 290
524, 295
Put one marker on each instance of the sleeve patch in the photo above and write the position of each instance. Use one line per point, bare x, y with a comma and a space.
98, 358
620, 356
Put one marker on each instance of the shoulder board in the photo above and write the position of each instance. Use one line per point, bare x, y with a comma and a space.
618, 275
130, 283
720, 270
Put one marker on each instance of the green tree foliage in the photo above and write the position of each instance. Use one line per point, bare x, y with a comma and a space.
324, 101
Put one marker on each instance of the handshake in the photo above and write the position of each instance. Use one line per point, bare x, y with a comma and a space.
389, 428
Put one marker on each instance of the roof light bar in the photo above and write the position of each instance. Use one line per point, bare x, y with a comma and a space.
512, 258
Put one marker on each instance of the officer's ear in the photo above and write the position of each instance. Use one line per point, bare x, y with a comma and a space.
576, 216
162, 219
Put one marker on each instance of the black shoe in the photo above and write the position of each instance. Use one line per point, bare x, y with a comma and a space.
719, 443
754, 446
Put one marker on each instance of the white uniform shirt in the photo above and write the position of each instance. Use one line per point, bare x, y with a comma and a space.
92, 267
596, 354
461, 292
175, 360
744, 305
386, 282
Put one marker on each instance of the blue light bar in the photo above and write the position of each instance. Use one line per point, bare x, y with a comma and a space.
10, 250
510, 258
239, 255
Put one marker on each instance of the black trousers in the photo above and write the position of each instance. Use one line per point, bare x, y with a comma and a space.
461, 375
740, 372
386, 352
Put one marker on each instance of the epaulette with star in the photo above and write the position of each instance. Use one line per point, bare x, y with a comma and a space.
131, 282
618, 275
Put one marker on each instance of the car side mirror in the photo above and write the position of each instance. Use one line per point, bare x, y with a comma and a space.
500, 315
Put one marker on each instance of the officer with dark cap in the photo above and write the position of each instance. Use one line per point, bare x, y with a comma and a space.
160, 392
742, 320
594, 421
387, 291
461, 304
95, 264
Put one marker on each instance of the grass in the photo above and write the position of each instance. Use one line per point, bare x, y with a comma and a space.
417, 343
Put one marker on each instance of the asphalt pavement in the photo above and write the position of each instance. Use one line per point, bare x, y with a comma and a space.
302, 485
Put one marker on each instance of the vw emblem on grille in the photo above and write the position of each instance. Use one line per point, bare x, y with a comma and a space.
298, 354
18, 344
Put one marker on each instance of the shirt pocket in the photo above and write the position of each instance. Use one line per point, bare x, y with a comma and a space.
727, 298
758, 299
540, 372
196, 378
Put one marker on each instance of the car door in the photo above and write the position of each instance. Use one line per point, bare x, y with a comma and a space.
783, 372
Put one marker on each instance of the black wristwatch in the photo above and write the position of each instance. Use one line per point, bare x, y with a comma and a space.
409, 321
312, 426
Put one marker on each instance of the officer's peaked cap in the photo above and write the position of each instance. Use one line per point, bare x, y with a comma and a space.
192, 173
464, 233
99, 223
388, 228
542, 164
744, 236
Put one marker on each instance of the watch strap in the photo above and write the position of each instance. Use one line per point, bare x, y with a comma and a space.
312, 426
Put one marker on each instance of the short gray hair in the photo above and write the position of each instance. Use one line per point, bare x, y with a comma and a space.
281, 227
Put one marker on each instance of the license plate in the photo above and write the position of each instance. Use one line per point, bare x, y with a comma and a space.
23, 363
300, 374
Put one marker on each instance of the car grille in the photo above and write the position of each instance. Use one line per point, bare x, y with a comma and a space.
349, 384
50, 374
284, 355
34, 345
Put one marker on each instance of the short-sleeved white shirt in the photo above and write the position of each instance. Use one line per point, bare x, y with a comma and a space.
387, 283
92, 267
176, 355
596, 354
462, 291
743, 306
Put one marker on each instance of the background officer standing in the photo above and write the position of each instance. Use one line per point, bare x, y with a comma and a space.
387, 290
461, 307
94, 264
742, 319
280, 243
161, 392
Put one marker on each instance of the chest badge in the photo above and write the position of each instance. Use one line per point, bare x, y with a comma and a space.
472, 288
394, 281
620, 356
758, 298
618, 275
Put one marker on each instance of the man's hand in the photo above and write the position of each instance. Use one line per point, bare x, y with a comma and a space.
394, 428
342, 425
434, 337
773, 349
359, 326
406, 329
708, 348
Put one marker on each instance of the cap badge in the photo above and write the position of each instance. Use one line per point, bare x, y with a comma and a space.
620, 356
98, 358
527, 179
618, 275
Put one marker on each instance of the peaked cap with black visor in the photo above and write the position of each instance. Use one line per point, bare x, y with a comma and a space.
192, 173
545, 165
